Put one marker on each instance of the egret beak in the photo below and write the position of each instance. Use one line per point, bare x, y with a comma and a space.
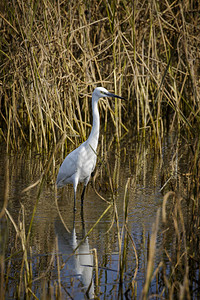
114, 96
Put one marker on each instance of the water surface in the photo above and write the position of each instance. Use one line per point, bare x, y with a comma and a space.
54, 262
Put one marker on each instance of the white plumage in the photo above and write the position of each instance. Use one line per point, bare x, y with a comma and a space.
80, 163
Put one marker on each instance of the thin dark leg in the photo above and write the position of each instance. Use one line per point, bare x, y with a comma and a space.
83, 223
74, 221
74, 200
82, 195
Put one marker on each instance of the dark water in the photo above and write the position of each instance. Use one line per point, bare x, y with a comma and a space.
53, 262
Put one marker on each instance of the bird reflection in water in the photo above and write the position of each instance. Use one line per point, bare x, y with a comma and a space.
77, 265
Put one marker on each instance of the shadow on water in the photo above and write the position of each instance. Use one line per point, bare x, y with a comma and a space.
58, 260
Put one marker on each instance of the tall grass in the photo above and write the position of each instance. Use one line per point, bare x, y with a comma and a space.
54, 53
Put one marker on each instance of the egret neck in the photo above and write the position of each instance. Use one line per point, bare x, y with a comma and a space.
94, 134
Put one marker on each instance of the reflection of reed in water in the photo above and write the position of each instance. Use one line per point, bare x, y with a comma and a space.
79, 264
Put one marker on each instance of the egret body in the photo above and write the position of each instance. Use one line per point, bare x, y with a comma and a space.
80, 163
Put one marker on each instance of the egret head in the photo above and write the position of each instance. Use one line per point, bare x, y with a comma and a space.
100, 92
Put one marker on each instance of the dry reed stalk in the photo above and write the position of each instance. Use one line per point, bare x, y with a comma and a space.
177, 282
6, 189
58, 269
150, 264
96, 271
25, 274
70, 46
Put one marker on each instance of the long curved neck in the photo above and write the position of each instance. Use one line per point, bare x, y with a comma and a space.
94, 134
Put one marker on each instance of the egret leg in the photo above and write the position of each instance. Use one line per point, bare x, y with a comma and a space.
75, 183
83, 222
74, 201
82, 195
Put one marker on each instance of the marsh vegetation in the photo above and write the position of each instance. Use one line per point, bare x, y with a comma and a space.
138, 234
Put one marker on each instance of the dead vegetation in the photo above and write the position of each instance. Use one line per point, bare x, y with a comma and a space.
53, 54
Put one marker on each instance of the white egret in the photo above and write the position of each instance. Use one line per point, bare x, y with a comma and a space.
80, 163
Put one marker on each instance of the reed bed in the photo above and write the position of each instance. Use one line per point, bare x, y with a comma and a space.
176, 227
53, 54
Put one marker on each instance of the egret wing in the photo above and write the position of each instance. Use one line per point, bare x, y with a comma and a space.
68, 168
